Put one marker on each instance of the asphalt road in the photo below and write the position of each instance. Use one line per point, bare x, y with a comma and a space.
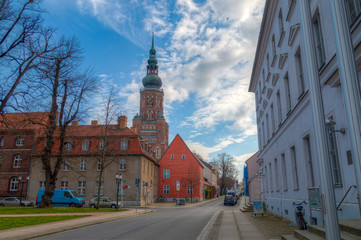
164, 223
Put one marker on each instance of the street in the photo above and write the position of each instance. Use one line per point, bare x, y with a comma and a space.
164, 223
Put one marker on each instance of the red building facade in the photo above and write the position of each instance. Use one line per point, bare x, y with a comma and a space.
179, 164
18, 132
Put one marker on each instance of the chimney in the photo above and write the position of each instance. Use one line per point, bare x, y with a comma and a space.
122, 121
94, 123
75, 123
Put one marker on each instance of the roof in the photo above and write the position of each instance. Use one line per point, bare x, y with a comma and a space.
29, 120
178, 136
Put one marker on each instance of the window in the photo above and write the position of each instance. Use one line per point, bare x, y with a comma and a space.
267, 182
279, 108
20, 141
267, 128
1, 159
2, 141
165, 189
317, 31
81, 187
308, 160
183, 156
99, 165
83, 165
294, 168
158, 152
166, 173
124, 145
68, 146
63, 185
189, 189
85, 145
17, 161
353, 8
284, 172
280, 22
101, 188
276, 176
288, 93
14, 182
172, 156
273, 49
263, 134
122, 165
332, 143
299, 70
101, 144
41, 184
270, 177
66, 165
273, 119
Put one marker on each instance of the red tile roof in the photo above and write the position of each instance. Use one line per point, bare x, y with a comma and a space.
30, 120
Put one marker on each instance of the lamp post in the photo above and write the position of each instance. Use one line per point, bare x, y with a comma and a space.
118, 178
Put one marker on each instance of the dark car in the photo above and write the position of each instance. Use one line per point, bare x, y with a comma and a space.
229, 200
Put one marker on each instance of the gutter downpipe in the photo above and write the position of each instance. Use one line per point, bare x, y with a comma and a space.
328, 200
349, 84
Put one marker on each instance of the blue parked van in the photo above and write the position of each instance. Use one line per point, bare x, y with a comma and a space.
62, 198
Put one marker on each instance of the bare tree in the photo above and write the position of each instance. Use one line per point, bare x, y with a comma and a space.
23, 41
192, 178
228, 171
67, 90
111, 111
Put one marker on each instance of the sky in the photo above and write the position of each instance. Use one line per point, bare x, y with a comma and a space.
205, 51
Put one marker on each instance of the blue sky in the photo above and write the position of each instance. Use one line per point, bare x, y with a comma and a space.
205, 51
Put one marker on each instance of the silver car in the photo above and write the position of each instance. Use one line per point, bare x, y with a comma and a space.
104, 202
14, 202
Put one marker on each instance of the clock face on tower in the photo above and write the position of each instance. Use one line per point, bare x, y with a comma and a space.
150, 100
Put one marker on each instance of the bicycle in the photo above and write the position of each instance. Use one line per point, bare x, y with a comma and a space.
300, 212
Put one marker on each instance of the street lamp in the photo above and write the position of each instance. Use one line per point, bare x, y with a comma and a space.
118, 178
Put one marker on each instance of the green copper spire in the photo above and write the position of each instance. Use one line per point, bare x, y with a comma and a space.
152, 80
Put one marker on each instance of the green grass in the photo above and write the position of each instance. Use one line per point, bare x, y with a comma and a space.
13, 222
35, 210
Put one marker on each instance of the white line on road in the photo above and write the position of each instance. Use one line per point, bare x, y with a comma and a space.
208, 227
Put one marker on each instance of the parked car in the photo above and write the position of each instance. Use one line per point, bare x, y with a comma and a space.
62, 198
229, 200
233, 193
14, 202
104, 202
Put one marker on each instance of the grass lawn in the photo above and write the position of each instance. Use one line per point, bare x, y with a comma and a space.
13, 222
35, 210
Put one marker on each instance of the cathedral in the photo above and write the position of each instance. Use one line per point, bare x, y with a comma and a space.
150, 123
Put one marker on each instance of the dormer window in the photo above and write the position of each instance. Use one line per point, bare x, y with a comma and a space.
85, 145
20, 141
68, 146
123, 145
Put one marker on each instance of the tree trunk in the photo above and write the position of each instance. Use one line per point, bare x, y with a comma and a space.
46, 201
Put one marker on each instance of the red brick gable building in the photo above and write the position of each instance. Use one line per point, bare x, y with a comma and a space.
179, 164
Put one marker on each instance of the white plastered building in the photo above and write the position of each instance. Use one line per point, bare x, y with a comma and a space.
287, 155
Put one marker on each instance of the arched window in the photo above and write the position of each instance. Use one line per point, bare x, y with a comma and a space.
17, 161
14, 184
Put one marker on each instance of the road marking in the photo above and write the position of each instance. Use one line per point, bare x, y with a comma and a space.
204, 234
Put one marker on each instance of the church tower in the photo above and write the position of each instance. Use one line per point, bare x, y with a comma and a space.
150, 122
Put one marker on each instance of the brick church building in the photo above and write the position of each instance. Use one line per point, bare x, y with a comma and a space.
150, 123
